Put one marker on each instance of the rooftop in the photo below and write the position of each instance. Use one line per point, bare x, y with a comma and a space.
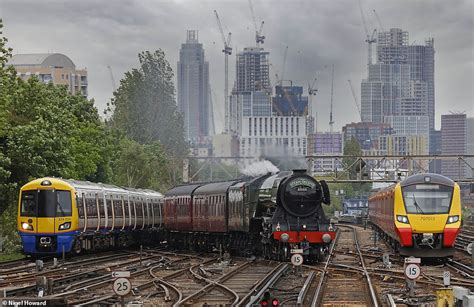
56, 60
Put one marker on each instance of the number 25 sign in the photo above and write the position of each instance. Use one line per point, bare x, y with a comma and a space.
122, 286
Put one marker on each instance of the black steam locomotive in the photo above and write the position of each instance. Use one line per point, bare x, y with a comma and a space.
271, 215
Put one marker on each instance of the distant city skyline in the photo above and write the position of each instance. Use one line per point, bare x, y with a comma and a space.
95, 35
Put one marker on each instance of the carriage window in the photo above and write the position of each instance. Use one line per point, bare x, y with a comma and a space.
91, 207
28, 203
139, 209
101, 205
118, 208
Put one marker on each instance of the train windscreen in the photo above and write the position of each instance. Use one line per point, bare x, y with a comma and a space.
427, 198
46, 203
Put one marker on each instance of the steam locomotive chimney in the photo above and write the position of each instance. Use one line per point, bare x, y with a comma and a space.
299, 171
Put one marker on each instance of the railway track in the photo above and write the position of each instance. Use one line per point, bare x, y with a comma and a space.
145, 284
77, 273
466, 235
345, 280
28, 274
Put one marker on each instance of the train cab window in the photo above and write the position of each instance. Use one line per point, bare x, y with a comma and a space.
64, 205
427, 198
46, 203
28, 203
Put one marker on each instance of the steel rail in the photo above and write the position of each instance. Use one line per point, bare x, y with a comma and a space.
317, 293
304, 289
274, 276
211, 284
369, 282
91, 302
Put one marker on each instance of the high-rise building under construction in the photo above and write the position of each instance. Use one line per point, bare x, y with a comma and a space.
401, 82
251, 95
193, 89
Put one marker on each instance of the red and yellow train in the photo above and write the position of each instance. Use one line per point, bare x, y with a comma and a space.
419, 216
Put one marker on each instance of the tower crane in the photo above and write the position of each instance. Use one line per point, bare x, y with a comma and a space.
112, 77
370, 39
378, 20
331, 121
227, 51
283, 65
259, 37
312, 91
355, 99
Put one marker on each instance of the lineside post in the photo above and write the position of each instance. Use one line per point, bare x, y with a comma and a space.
141, 251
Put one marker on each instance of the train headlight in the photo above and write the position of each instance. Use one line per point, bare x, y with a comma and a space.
453, 219
26, 226
326, 238
402, 219
284, 237
65, 226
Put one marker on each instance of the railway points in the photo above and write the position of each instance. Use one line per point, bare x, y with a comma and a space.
167, 277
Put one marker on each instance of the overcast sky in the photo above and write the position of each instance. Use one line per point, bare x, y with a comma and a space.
95, 34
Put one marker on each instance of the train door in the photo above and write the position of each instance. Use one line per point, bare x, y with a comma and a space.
161, 211
124, 211
111, 209
81, 210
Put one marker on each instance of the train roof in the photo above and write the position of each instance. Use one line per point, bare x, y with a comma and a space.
183, 189
87, 185
216, 187
427, 178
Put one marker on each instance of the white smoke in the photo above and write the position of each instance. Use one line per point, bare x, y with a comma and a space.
259, 168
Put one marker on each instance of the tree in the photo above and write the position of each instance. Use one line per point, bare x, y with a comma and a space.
352, 148
145, 106
141, 166
44, 131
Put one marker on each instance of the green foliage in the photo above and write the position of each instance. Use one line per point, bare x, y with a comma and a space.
46, 131
352, 148
141, 166
145, 106
10, 257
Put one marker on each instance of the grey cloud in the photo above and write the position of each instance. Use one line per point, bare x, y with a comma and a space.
319, 33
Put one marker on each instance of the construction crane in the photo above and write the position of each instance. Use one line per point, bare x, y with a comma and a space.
112, 77
378, 20
312, 91
283, 65
355, 99
259, 37
227, 51
370, 39
331, 121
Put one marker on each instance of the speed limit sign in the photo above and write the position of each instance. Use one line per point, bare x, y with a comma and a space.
297, 259
122, 286
412, 271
